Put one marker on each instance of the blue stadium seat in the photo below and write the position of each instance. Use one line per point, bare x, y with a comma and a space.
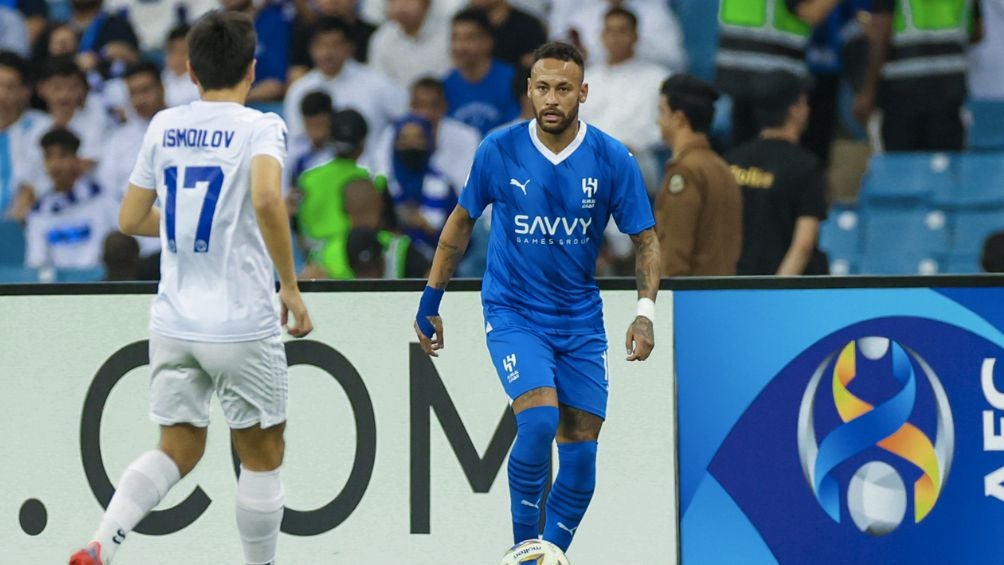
274, 107
909, 264
11, 243
981, 181
972, 227
840, 238
961, 264
987, 129
908, 178
903, 241
11, 274
80, 275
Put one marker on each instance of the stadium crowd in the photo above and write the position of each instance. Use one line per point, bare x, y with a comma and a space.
386, 102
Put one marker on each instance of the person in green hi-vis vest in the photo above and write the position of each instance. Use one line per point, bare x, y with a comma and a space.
917, 72
380, 254
758, 37
322, 217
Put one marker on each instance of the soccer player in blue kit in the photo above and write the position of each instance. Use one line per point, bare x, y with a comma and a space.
553, 183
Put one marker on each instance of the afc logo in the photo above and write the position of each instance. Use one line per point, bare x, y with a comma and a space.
589, 188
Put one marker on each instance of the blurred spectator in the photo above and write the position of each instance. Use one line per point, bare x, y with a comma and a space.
68, 225
837, 51
154, 19
456, 142
516, 33
751, 45
13, 31
120, 257
314, 147
699, 207
992, 257
442, 10
986, 65
378, 254
423, 197
178, 86
273, 22
146, 98
784, 188
479, 89
520, 86
580, 22
55, 40
63, 88
104, 36
322, 218
624, 93
19, 154
35, 14
359, 30
349, 83
410, 44
914, 54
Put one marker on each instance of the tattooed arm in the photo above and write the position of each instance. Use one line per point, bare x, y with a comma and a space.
641, 334
452, 244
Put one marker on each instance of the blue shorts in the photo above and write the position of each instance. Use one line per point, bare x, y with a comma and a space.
574, 365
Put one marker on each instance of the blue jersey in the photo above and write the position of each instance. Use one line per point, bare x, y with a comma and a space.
548, 215
484, 105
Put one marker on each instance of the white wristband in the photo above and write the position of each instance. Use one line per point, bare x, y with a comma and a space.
646, 308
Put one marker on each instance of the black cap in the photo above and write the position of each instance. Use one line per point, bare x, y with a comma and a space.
348, 130
363, 248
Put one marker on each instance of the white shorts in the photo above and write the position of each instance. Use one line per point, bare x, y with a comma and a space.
250, 378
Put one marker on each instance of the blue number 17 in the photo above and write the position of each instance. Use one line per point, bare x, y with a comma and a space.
193, 176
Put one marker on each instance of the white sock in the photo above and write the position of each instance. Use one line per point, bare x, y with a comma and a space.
142, 486
260, 501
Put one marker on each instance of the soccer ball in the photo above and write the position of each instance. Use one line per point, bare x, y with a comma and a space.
535, 552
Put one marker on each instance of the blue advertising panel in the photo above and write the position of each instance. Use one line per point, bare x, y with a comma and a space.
841, 426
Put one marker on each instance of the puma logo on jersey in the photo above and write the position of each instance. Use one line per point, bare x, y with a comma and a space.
526, 502
571, 531
522, 186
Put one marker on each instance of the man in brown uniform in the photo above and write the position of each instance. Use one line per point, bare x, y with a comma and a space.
699, 208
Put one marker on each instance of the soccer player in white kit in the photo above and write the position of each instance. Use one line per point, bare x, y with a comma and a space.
216, 167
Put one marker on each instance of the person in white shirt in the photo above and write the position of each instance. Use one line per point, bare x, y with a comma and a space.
20, 154
216, 166
13, 31
351, 85
660, 35
178, 87
67, 227
152, 20
624, 93
456, 142
146, 98
411, 43
442, 10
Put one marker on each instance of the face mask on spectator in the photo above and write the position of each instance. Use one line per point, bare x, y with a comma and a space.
414, 159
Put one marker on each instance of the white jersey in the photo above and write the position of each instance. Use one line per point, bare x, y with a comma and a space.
67, 230
216, 274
